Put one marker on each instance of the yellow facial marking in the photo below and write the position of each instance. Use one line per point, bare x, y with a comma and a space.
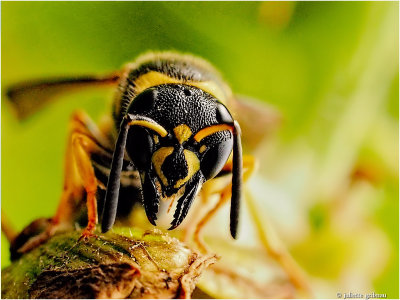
156, 139
203, 148
210, 130
158, 159
182, 133
193, 166
155, 127
154, 78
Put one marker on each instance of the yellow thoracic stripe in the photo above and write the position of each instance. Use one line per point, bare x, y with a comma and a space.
154, 78
155, 127
210, 130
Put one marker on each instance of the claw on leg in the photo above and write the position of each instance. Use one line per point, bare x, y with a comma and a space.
91, 203
87, 233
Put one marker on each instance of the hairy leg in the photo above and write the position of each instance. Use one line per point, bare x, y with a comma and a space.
84, 138
249, 165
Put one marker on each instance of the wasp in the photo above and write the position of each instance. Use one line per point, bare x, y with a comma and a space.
174, 128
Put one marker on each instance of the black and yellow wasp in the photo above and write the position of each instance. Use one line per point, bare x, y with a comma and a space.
174, 127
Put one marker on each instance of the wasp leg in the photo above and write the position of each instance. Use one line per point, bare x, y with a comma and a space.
82, 145
84, 138
274, 248
249, 165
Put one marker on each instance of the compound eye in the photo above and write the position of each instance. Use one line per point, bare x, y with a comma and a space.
140, 147
215, 157
144, 102
223, 115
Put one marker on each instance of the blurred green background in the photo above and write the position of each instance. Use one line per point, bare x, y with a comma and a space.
330, 68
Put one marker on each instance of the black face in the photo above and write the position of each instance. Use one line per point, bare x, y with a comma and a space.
178, 156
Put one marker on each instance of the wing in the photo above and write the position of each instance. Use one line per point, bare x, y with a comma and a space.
257, 120
28, 97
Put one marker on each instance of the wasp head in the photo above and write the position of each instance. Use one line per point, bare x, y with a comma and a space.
182, 139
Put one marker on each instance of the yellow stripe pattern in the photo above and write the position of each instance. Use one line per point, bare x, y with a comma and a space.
154, 78
211, 130
155, 127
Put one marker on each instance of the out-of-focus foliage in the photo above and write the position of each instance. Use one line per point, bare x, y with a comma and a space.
328, 181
